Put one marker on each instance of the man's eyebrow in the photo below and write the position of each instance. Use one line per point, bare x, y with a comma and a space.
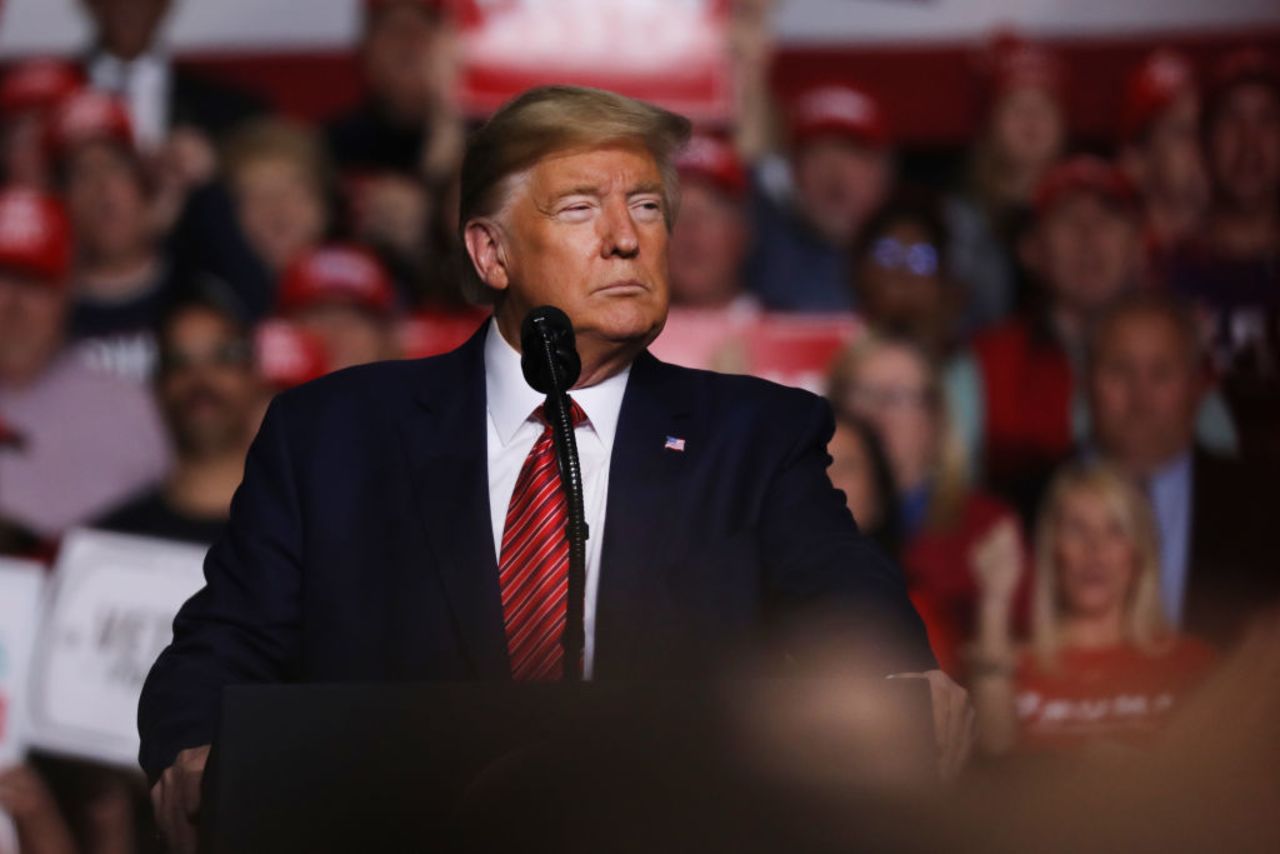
648, 187
581, 190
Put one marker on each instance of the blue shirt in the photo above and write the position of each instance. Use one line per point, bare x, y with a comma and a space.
1170, 491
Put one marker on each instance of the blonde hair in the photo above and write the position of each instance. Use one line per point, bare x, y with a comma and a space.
550, 119
1145, 625
950, 464
281, 139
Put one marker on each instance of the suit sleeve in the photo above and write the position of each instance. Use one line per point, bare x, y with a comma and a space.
243, 625
822, 571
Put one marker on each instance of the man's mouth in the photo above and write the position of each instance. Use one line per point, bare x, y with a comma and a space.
623, 287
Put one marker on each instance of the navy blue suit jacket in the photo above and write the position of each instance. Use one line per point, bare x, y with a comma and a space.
360, 545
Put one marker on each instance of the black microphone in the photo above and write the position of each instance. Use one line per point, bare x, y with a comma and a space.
549, 357
551, 365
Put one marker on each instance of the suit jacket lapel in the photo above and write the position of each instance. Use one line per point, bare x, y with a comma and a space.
644, 480
445, 439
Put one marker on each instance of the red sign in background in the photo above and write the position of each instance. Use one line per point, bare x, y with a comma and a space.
670, 52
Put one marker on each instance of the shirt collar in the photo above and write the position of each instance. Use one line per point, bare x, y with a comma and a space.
1172, 475
511, 400
111, 72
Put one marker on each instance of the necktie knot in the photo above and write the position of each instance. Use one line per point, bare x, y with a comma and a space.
575, 412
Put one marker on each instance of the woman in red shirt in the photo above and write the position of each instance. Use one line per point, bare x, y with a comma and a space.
1103, 663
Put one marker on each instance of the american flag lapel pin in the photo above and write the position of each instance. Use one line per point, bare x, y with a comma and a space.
674, 443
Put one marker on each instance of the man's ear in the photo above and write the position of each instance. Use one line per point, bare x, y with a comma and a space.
484, 240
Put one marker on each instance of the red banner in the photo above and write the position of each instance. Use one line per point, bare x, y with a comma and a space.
671, 52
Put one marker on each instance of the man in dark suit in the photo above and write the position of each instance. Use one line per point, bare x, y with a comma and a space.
397, 521
1215, 516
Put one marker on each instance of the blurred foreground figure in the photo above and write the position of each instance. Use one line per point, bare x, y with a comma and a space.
208, 391
88, 439
1103, 663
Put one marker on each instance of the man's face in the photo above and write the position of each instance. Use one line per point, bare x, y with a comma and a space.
839, 184
1144, 391
126, 28
1086, 251
207, 385
106, 202
280, 208
1175, 168
31, 318
1244, 147
707, 246
901, 284
585, 232
1027, 129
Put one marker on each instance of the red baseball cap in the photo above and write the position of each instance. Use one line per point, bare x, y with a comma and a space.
1163, 77
344, 274
839, 109
35, 237
1085, 173
286, 355
88, 116
38, 85
1247, 65
711, 159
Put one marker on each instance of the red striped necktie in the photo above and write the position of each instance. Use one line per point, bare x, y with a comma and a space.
533, 572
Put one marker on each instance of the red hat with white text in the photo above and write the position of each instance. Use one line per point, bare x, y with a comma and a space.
336, 274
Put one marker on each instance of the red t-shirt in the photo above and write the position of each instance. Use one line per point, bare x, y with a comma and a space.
1118, 693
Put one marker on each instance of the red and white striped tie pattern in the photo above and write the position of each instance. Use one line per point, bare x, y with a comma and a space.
533, 571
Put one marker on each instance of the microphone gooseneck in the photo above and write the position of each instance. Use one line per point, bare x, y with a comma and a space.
551, 365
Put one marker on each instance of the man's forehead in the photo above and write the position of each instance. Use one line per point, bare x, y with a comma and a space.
599, 168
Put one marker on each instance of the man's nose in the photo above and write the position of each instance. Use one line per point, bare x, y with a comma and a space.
619, 235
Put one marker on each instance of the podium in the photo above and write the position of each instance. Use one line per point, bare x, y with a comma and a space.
483, 766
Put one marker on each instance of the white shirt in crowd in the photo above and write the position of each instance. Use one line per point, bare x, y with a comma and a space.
143, 84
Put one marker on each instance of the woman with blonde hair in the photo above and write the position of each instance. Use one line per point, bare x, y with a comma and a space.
893, 384
1103, 662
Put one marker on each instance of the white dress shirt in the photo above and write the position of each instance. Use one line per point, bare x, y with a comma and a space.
143, 85
512, 433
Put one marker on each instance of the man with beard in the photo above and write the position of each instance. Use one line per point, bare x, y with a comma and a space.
209, 392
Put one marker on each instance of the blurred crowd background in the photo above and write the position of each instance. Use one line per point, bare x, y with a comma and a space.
1050, 333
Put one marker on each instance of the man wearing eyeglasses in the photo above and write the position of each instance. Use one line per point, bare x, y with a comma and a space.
209, 394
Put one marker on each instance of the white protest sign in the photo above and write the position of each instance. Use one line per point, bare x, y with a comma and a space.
21, 586
110, 615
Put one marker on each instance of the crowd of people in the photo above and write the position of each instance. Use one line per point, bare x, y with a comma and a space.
1061, 415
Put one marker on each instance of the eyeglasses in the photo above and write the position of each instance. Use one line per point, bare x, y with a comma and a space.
920, 259
230, 354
